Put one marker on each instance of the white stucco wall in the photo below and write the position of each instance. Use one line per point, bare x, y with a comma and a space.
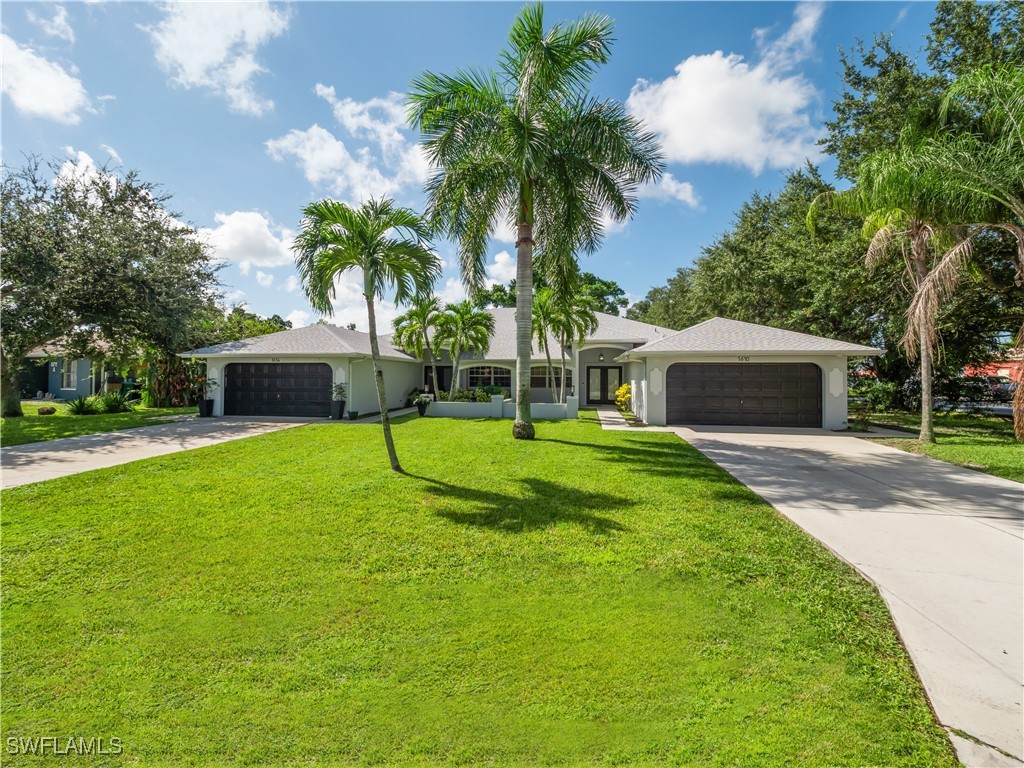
833, 382
591, 356
399, 379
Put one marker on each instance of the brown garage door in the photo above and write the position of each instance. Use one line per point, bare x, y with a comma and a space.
744, 394
277, 389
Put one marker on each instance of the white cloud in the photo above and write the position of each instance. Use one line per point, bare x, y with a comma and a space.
720, 108
291, 284
264, 279
670, 188
234, 297
214, 44
112, 152
502, 269
298, 318
58, 26
389, 164
248, 238
40, 88
453, 292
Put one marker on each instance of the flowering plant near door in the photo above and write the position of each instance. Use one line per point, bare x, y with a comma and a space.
623, 397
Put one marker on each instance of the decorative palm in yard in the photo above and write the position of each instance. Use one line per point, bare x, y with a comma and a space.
528, 146
910, 212
412, 332
462, 328
387, 244
574, 319
543, 328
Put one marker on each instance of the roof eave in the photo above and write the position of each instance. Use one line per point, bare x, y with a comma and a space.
640, 352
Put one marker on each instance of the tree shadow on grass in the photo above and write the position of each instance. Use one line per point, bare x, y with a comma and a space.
543, 505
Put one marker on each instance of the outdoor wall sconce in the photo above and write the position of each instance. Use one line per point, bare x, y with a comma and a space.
600, 357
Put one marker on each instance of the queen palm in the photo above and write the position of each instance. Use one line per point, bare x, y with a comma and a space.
527, 146
387, 244
412, 331
463, 328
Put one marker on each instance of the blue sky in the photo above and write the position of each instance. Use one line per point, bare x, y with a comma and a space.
245, 112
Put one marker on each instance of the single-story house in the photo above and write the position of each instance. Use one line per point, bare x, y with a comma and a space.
717, 372
51, 370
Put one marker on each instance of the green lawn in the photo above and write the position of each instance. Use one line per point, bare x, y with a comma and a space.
985, 443
591, 598
32, 428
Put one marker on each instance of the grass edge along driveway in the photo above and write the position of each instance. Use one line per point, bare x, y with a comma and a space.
32, 428
595, 597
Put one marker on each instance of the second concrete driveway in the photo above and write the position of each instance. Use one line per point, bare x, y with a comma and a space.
34, 462
943, 545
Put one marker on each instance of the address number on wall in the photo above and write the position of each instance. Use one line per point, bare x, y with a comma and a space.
743, 358
275, 359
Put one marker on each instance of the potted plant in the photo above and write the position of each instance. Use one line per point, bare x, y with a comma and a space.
337, 401
206, 403
422, 401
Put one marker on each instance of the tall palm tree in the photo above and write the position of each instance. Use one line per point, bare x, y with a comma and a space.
986, 168
543, 326
575, 318
526, 144
412, 331
388, 244
463, 328
909, 212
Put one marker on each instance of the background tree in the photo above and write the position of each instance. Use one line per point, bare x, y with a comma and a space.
527, 144
90, 257
412, 331
463, 328
388, 245
607, 295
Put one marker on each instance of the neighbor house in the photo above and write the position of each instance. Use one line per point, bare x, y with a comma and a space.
716, 372
53, 370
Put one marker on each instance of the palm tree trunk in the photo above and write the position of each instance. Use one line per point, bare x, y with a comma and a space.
431, 361
522, 428
455, 377
378, 378
920, 250
551, 371
561, 391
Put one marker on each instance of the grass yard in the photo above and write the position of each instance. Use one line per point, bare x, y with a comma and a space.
985, 443
33, 428
592, 598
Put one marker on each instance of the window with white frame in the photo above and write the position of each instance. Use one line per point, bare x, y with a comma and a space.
539, 376
67, 374
489, 375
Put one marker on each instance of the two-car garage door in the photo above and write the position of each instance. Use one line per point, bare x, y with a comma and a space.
277, 389
744, 394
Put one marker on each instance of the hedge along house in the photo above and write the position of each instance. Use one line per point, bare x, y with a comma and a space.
726, 372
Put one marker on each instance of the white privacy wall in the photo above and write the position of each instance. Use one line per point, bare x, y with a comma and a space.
833, 383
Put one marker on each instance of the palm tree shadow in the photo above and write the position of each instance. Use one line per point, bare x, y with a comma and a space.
544, 505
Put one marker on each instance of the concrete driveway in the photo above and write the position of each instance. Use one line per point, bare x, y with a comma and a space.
943, 545
35, 462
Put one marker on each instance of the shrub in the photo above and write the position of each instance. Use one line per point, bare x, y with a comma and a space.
482, 395
115, 402
83, 406
410, 399
493, 389
462, 396
623, 396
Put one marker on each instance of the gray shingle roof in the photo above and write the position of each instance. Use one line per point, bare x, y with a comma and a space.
722, 335
318, 340
325, 340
